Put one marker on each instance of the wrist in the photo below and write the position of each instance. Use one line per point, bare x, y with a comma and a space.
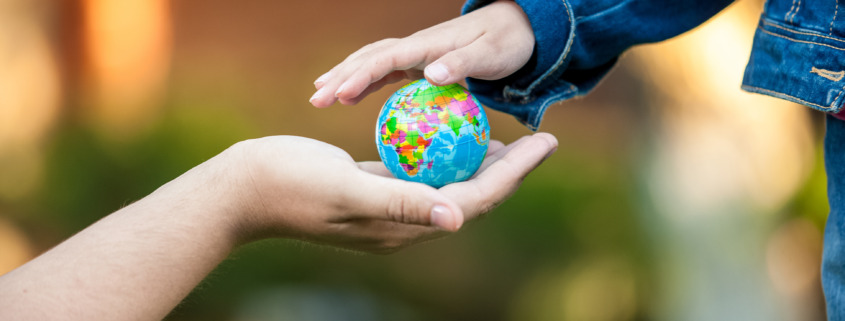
204, 200
235, 181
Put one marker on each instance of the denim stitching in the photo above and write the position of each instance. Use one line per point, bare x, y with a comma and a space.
786, 17
800, 32
835, 12
545, 105
797, 8
793, 98
583, 19
837, 98
802, 41
508, 89
565, 53
827, 74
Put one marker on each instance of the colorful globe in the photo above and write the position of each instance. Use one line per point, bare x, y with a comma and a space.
435, 135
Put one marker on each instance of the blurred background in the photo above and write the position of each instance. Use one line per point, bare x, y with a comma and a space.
673, 195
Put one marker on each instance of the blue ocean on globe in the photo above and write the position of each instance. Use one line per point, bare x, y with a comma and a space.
434, 135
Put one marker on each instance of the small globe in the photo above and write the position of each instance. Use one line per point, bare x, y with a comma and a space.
435, 135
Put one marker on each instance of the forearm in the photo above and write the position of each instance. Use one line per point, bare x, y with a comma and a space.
141, 261
137, 263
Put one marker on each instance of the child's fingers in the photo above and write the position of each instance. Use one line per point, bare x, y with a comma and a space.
469, 45
392, 77
328, 84
475, 60
469, 61
382, 62
322, 80
365, 69
323, 98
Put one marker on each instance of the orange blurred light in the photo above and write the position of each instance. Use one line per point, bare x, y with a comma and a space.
128, 46
14, 245
30, 94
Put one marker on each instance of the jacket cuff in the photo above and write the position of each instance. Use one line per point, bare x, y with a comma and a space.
796, 64
564, 66
528, 92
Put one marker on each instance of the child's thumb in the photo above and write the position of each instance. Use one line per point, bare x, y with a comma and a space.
474, 60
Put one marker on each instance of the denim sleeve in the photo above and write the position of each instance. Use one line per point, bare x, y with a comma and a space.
577, 43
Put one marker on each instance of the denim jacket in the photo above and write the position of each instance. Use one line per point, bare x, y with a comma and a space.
798, 52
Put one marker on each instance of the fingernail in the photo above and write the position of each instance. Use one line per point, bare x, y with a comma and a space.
550, 153
321, 80
340, 90
441, 216
316, 95
437, 72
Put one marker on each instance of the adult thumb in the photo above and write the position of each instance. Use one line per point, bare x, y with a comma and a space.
391, 199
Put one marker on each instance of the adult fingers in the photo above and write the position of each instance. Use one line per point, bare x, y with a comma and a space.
501, 178
495, 151
494, 148
379, 236
375, 167
390, 199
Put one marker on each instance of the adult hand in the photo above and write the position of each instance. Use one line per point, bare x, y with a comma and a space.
489, 43
140, 261
300, 188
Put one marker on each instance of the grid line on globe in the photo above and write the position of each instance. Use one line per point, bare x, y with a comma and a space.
432, 134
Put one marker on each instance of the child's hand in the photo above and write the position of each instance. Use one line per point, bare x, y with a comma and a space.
489, 43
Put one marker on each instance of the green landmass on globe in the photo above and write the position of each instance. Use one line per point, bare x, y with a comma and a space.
432, 134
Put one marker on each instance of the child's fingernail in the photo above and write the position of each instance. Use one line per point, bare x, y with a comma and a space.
437, 72
340, 90
441, 216
321, 80
317, 95
550, 153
